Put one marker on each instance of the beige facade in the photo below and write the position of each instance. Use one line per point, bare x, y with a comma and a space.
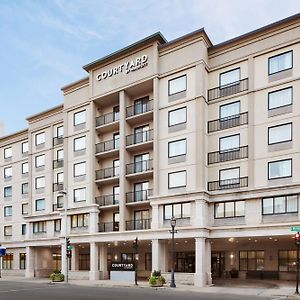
206, 133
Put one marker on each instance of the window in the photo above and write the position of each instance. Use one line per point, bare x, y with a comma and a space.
8, 172
60, 131
23, 229
7, 191
116, 167
177, 116
8, 152
40, 182
24, 147
116, 113
126, 257
39, 204
7, 211
80, 220
280, 98
24, 208
177, 148
287, 261
229, 209
281, 62
24, 188
40, 138
141, 191
230, 77
22, 261
177, 210
229, 143
60, 154
60, 177
148, 261
280, 133
80, 195
177, 85
8, 261
79, 117
280, 205
229, 176
280, 169
177, 179
8, 231
79, 169
39, 227
57, 225
79, 143
252, 260
40, 161
229, 110
141, 134
25, 168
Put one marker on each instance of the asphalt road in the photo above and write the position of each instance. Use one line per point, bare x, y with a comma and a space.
43, 291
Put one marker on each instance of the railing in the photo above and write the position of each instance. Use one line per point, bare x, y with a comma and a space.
107, 173
227, 90
138, 196
231, 154
140, 166
139, 108
107, 118
59, 186
107, 146
139, 137
229, 122
138, 224
108, 200
56, 206
58, 140
109, 227
58, 163
228, 184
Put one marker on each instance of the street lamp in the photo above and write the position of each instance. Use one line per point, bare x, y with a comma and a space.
173, 231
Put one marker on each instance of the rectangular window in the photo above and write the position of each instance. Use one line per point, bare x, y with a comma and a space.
177, 148
8, 261
25, 168
7, 231
39, 204
252, 260
80, 220
60, 131
230, 110
229, 209
40, 138
57, 225
280, 205
177, 85
79, 169
116, 113
60, 177
79, 117
280, 169
24, 147
40, 182
7, 191
24, 208
40, 227
229, 143
229, 176
287, 261
40, 161
24, 188
177, 179
80, 195
177, 116
23, 229
280, 133
22, 261
8, 152
230, 77
280, 98
79, 143
177, 210
60, 154
280, 62
7, 211
8, 172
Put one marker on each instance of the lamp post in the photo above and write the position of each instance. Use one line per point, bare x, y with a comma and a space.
297, 242
136, 251
173, 231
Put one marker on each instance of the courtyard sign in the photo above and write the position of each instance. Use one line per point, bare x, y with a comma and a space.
127, 67
119, 266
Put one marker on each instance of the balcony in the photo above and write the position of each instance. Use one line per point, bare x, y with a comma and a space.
109, 227
59, 140
107, 122
141, 168
107, 148
224, 91
138, 224
139, 140
233, 183
58, 186
57, 206
141, 111
229, 122
107, 175
108, 200
138, 196
232, 154
58, 163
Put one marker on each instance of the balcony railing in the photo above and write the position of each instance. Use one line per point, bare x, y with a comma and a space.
232, 183
59, 140
107, 200
58, 163
229, 122
107, 118
223, 91
232, 154
107, 173
138, 224
107, 146
56, 206
138, 196
59, 186
109, 227
139, 108
140, 166
139, 137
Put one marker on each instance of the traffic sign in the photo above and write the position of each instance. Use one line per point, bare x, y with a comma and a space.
296, 228
2, 251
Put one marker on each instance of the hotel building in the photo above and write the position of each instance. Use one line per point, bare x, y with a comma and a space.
205, 133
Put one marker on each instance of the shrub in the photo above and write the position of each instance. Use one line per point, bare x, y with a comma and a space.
57, 276
156, 279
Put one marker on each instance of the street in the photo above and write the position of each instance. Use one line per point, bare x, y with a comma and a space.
35, 291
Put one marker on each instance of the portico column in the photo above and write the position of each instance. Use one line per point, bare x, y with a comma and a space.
208, 261
155, 255
63, 258
94, 266
93, 224
30, 257
200, 279
155, 217
103, 261
74, 258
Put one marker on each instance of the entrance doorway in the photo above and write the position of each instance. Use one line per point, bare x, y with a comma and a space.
217, 264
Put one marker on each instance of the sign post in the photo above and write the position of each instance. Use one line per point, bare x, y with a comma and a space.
2, 253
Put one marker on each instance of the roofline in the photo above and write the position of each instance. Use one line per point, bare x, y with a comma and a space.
151, 38
14, 134
76, 83
45, 113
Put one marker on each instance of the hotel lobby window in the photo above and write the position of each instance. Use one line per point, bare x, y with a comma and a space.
229, 209
230, 77
280, 98
8, 261
252, 260
287, 260
8, 152
280, 169
280, 62
280, 205
280, 133
79, 117
40, 138
177, 116
177, 179
177, 85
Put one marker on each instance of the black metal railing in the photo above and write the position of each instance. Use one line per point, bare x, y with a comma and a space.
107, 118
59, 140
107, 146
139, 108
56, 206
58, 186
229, 122
232, 183
139, 137
227, 90
138, 224
230, 154
140, 166
107, 173
138, 196
109, 227
107, 200
58, 163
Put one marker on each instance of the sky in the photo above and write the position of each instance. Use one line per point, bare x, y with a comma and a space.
45, 43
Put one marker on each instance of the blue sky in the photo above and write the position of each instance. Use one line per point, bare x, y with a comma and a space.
44, 44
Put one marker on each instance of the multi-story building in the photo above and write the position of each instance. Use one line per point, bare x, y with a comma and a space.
205, 133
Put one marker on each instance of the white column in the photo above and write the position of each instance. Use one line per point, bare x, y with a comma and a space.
30, 258
155, 255
103, 261
155, 217
200, 214
63, 257
200, 272
93, 223
208, 261
94, 266
74, 258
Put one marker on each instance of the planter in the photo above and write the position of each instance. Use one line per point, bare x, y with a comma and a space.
57, 277
156, 280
